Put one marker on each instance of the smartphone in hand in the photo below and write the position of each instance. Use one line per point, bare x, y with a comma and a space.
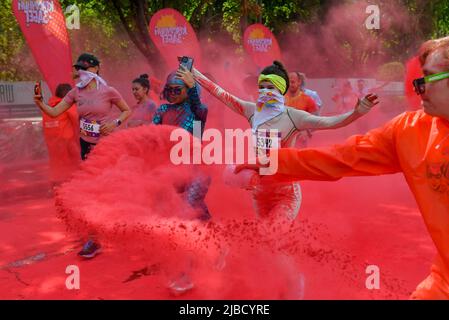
186, 62
38, 89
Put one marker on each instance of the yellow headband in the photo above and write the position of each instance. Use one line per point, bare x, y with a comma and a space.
278, 81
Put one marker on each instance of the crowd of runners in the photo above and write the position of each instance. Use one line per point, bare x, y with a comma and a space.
281, 121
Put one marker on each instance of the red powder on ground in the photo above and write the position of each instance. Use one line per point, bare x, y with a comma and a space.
149, 235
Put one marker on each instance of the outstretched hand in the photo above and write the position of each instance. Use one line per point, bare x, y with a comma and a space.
252, 166
364, 106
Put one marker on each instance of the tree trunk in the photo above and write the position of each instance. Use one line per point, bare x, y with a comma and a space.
141, 37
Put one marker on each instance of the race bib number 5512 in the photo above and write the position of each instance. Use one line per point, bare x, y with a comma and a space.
267, 140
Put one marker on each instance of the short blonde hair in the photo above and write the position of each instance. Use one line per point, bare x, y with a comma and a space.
431, 46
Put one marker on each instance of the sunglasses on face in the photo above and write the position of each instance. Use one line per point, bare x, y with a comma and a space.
173, 91
420, 84
78, 68
270, 87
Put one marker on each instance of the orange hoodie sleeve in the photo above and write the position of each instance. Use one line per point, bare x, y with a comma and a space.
311, 105
361, 155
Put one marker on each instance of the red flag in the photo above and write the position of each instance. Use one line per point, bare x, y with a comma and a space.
43, 25
260, 43
174, 36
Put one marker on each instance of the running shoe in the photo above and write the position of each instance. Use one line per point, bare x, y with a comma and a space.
90, 250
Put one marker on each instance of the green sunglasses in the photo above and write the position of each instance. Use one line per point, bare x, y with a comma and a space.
420, 83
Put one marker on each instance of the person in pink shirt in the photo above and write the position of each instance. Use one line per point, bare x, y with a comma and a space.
95, 101
143, 111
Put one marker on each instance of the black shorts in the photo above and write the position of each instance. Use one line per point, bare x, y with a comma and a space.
86, 147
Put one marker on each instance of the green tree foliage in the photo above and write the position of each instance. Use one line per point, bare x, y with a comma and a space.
118, 28
440, 14
15, 61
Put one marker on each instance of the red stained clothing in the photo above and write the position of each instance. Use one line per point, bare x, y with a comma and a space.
413, 143
94, 106
301, 102
62, 139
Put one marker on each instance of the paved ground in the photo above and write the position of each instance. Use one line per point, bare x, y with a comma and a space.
363, 220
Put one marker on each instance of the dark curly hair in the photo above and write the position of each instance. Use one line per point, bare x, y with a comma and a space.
62, 89
278, 69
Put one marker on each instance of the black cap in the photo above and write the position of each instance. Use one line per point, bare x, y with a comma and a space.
87, 60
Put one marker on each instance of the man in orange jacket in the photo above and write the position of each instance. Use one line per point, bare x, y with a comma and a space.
414, 143
61, 136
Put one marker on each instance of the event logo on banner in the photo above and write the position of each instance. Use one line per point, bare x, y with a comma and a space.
168, 31
36, 12
261, 45
43, 25
174, 36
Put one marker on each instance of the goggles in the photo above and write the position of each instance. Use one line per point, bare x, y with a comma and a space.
78, 68
420, 84
173, 91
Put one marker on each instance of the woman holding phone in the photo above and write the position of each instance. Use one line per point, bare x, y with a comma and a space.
184, 107
94, 99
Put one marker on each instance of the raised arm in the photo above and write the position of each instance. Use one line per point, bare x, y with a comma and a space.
304, 120
373, 153
52, 112
199, 109
244, 108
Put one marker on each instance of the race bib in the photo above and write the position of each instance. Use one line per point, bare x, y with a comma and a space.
266, 140
89, 128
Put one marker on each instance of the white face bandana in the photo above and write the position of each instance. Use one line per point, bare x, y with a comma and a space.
87, 76
269, 105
